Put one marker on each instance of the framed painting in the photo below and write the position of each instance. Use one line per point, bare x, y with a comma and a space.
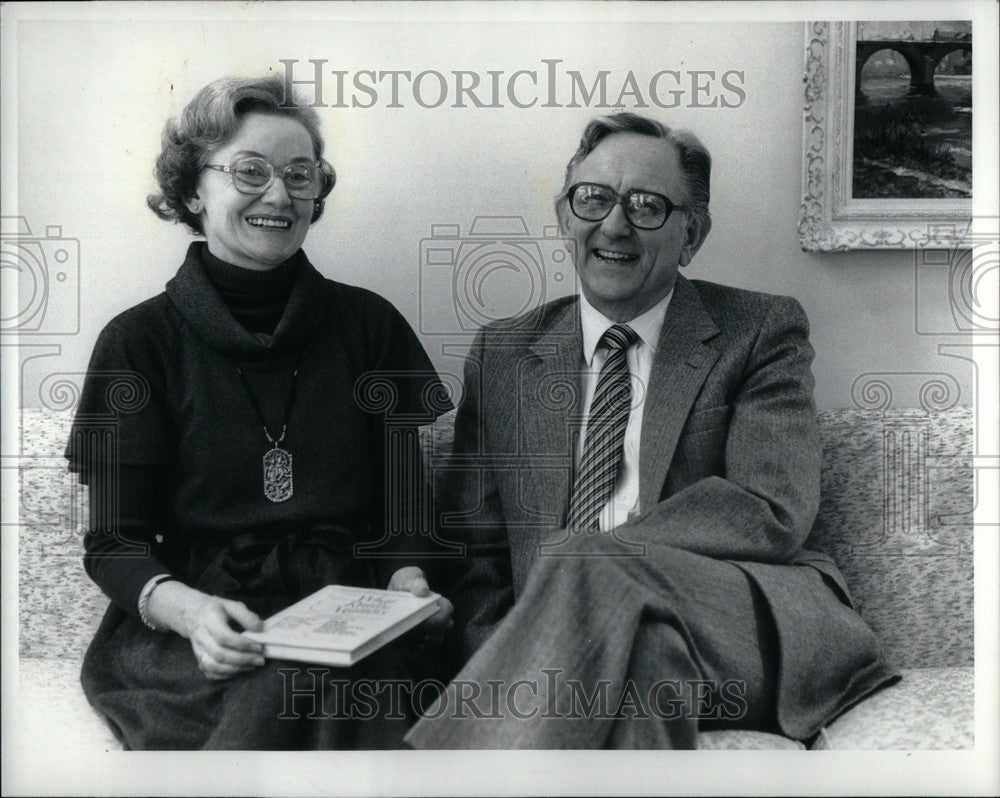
887, 137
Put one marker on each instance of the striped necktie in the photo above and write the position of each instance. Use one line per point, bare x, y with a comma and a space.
606, 423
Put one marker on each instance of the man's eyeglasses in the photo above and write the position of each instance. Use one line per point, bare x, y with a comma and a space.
646, 210
306, 180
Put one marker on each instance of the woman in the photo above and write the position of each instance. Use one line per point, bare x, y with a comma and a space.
247, 462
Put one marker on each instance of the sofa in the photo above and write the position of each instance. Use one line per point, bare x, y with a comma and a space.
896, 515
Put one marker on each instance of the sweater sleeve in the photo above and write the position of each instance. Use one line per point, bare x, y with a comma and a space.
119, 445
120, 418
121, 545
400, 380
402, 390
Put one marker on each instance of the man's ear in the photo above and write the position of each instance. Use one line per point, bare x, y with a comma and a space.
562, 211
697, 231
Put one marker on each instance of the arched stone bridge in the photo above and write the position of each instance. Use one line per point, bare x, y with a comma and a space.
922, 58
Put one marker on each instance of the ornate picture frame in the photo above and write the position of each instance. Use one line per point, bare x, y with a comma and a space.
830, 218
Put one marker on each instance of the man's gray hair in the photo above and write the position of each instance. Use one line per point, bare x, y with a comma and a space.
696, 162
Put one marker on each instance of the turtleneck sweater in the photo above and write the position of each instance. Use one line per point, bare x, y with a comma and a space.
256, 299
187, 464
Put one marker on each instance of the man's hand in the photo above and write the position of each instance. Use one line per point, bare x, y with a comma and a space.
412, 579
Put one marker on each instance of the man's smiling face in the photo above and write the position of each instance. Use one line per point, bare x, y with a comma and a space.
625, 270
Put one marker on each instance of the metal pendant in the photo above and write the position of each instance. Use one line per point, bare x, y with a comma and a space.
278, 474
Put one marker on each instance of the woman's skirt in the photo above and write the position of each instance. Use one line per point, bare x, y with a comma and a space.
148, 686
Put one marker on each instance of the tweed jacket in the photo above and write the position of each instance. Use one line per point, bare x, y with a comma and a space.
729, 468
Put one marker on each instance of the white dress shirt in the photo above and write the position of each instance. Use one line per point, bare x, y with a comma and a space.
625, 500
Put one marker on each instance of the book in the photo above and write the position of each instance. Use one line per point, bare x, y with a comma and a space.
339, 625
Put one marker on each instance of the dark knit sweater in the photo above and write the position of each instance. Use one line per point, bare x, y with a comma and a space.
187, 420
256, 299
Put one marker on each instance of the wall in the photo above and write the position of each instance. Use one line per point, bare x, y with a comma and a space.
92, 98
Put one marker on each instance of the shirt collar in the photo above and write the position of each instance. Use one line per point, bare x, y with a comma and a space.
595, 324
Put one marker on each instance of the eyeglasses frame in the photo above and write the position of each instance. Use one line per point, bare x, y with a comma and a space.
620, 200
326, 170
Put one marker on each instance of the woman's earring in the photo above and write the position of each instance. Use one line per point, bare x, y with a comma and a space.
195, 207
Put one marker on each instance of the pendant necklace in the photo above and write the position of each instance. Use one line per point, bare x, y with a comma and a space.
277, 461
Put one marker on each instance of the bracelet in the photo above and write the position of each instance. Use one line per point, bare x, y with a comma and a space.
147, 591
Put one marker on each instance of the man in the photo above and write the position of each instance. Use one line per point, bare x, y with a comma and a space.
636, 470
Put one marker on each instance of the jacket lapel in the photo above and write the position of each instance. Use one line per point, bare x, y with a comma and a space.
549, 415
680, 366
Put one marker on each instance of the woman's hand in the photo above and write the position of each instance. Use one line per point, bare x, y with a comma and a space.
207, 622
220, 650
412, 579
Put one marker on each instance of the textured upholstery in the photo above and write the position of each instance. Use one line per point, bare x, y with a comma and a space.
896, 516
60, 607
931, 708
746, 740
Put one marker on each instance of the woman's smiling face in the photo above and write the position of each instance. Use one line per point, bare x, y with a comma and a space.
255, 231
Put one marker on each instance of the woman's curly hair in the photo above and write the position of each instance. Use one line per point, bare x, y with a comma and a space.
207, 123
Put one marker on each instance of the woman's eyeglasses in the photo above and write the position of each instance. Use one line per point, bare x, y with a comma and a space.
303, 180
646, 210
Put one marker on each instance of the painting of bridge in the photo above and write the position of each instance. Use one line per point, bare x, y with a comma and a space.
913, 110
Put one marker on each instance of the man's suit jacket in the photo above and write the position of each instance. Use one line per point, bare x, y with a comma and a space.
729, 468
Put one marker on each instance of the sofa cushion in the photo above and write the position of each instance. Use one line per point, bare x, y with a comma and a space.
60, 607
52, 713
896, 516
930, 709
745, 740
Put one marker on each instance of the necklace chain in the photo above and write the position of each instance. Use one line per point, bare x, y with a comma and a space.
260, 415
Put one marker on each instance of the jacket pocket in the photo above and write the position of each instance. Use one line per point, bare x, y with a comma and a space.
711, 418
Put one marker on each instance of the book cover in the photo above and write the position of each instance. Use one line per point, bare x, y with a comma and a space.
339, 625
